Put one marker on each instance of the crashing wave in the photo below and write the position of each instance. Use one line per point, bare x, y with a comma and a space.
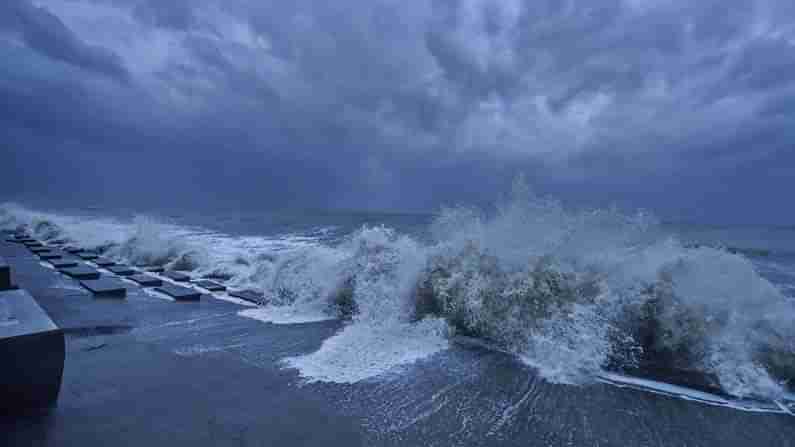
573, 293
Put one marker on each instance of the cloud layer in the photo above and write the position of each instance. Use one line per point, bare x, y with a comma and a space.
680, 106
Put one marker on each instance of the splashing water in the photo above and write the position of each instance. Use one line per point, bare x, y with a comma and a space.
572, 293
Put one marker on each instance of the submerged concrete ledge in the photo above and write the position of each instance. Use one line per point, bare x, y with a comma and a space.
33, 352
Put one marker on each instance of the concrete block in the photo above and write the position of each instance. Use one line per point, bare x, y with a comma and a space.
212, 286
248, 295
180, 293
22, 240
176, 276
33, 351
103, 262
50, 255
147, 280
122, 270
106, 287
80, 272
33, 243
87, 255
64, 263
41, 249
73, 249
155, 269
5, 275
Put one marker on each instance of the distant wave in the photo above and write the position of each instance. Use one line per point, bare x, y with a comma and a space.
573, 293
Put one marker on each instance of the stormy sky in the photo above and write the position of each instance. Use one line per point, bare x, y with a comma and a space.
685, 108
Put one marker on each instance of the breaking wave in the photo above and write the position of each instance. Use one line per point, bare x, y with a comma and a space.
572, 293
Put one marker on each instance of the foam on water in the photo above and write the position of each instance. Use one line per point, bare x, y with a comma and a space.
362, 351
289, 314
572, 293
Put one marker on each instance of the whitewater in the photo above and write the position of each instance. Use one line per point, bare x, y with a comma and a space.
576, 294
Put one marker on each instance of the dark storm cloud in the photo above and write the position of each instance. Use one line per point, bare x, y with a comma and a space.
659, 104
44, 32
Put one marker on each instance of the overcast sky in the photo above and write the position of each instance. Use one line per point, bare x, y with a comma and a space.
685, 108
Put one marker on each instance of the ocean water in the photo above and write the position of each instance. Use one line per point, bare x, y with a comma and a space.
579, 295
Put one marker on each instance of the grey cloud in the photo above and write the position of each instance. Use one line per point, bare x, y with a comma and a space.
415, 104
177, 14
46, 33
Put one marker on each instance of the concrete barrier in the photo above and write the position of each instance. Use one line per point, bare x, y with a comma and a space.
147, 280
176, 276
5, 275
103, 262
105, 287
50, 255
180, 293
33, 351
249, 295
212, 286
80, 272
121, 270
63, 263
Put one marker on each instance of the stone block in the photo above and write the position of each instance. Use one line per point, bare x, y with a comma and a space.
33, 352
122, 270
22, 240
80, 272
105, 287
248, 295
212, 286
50, 255
63, 263
176, 276
147, 280
180, 293
103, 262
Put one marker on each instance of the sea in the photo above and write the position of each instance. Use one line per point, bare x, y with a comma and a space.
575, 296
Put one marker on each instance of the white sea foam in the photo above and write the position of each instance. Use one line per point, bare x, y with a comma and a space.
289, 314
362, 351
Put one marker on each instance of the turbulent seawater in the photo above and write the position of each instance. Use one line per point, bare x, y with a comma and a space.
575, 294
